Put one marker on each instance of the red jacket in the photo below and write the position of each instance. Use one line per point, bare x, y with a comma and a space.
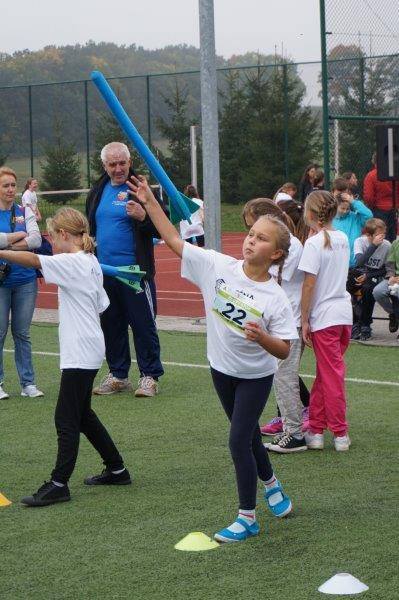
378, 194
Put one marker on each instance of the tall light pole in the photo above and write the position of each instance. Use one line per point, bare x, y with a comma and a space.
210, 131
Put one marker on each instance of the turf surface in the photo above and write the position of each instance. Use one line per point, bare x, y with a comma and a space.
118, 542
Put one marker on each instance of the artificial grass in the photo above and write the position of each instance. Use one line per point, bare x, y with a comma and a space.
118, 542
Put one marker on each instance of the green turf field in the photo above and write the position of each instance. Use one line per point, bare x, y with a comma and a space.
117, 543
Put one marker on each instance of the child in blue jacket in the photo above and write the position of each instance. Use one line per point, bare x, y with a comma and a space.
350, 219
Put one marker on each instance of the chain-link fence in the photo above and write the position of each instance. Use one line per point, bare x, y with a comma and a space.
33, 116
361, 78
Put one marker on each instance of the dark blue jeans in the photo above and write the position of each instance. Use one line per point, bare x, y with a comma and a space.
243, 401
137, 310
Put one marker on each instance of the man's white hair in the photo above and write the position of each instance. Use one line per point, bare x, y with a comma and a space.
114, 147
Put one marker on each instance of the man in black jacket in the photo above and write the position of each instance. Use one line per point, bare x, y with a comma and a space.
124, 236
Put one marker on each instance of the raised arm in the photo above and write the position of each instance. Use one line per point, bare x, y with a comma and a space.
25, 259
140, 189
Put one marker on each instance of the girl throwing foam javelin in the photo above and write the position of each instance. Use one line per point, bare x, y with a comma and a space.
76, 271
250, 324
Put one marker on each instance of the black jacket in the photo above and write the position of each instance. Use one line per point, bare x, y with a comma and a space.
144, 231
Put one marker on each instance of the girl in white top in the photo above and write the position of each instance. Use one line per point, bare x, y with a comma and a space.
82, 298
249, 325
195, 229
29, 197
286, 380
326, 319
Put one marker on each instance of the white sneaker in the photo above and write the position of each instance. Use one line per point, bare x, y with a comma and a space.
314, 441
31, 391
3, 393
342, 443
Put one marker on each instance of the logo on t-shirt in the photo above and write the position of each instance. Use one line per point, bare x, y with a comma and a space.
19, 219
122, 196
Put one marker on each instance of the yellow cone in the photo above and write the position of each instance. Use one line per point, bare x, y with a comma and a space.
196, 542
4, 501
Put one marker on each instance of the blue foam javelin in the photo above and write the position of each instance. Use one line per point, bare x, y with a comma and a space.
181, 205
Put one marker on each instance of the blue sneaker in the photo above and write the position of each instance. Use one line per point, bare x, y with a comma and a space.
282, 508
225, 535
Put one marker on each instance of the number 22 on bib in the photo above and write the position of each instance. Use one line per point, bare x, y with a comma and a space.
235, 312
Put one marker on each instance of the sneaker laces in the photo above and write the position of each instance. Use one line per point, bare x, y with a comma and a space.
107, 379
284, 440
47, 485
146, 382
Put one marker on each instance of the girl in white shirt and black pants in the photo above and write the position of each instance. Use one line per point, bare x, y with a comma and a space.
249, 324
326, 319
76, 271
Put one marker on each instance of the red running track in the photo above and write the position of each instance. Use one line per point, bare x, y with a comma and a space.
176, 296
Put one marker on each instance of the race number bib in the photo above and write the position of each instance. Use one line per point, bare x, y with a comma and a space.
235, 309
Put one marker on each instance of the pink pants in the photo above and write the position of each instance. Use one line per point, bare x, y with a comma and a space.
327, 407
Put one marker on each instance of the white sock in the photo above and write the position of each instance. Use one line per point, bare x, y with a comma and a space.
118, 472
246, 515
57, 483
274, 498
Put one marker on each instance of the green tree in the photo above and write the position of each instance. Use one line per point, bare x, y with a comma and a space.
259, 117
177, 132
60, 167
233, 125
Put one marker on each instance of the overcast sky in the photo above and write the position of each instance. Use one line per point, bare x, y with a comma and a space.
252, 25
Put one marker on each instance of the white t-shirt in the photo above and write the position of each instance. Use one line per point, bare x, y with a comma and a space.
29, 199
281, 196
189, 230
81, 299
331, 303
228, 350
292, 278
378, 258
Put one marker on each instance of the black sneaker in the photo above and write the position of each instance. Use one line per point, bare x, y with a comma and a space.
49, 493
109, 478
287, 444
393, 323
365, 334
355, 335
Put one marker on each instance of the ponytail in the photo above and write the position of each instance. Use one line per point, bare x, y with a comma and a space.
88, 243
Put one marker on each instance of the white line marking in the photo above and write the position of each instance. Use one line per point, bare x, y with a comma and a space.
199, 366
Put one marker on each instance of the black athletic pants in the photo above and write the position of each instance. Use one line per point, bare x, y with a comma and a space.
74, 415
243, 401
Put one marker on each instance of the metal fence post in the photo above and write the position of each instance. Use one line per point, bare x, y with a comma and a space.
149, 140
210, 125
87, 133
285, 121
324, 78
362, 111
30, 129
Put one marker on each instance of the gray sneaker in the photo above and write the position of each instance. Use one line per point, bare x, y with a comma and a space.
148, 387
112, 385
31, 391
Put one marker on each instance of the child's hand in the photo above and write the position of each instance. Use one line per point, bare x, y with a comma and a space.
140, 189
253, 331
306, 335
393, 280
347, 196
361, 279
377, 239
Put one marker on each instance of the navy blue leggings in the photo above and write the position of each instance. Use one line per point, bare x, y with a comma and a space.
243, 401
